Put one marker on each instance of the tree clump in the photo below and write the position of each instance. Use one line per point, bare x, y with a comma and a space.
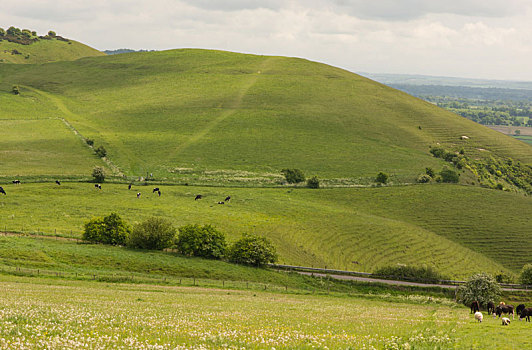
111, 229
382, 178
203, 241
313, 182
154, 233
252, 250
293, 176
98, 173
101, 151
480, 287
526, 275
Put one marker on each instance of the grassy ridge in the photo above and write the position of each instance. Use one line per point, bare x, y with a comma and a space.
448, 227
210, 110
44, 51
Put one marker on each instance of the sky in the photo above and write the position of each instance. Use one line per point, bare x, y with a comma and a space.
490, 39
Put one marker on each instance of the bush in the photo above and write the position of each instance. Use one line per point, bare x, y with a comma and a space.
411, 273
204, 241
101, 151
526, 274
438, 152
313, 182
252, 250
15, 90
51, 33
449, 176
382, 178
154, 233
89, 142
480, 287
111, 229
430, 172
424, 178
98, 173
293, 176
2, 32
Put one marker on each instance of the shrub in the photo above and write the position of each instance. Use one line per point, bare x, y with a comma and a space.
15, 90
101, 151
2, 32
503, 278
424, 178
411, 273
438, 152
382, 178
430, 172
51, 33
313, 182
526, 274
154, 233
89, 142
293, 176
449, 176
98, 173
204, 241
252, 250
480, 287
111, 229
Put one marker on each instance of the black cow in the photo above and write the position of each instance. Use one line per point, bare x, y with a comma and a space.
520, 308
504, 309
57, 182
526, 313
2, 190
138, 195
129, 186
98, 186
156, 189
221, 203
475, 307
16, 182
227, 199
491, 307
159, 193
199, 196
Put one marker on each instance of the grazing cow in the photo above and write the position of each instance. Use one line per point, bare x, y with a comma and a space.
159, 192
16, 182
227, 199
2, 190
129, 186
478, 316
155, 189
491, 307
504, 309
505, 321
221, 202
526, 313
199, 196
57, 182
98, 186
520, 308
138, 194
475, 307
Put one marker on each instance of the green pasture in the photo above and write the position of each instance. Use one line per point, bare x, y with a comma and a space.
44, 51
455, 229
203, 110
52, 314
527, 139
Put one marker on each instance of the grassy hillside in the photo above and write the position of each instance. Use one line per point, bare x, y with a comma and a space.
197, 110
44, 51
457, 229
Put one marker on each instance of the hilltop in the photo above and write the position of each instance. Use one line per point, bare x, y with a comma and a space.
25, 46
220, 119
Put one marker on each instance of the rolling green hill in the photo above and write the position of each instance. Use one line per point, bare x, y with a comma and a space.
225, 119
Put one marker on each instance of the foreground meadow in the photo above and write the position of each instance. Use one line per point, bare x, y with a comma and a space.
55, 314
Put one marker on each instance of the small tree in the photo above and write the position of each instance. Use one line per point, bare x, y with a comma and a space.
15, 90
204, 241
111, 229
526, 274
424, 178
430, 172
382, 178
313, 182
101, 151
51, 33
480, 287
2, 32
252, 250
449, 176
98, 173
154, 233
293, 176
89, 142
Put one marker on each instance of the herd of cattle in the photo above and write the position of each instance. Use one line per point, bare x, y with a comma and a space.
99, 187
502, 309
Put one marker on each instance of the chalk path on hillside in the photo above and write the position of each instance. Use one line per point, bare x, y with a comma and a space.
64, 109
230, 109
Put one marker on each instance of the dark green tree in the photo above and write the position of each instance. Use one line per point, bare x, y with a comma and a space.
293, 176
204, 241
382, 178
98, 173
252, 250
313, 182
101, 151
480, 287
51, 33
154, 233
111, 229
449, 176
526, 275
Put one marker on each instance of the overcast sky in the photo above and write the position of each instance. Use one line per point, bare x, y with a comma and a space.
463, 38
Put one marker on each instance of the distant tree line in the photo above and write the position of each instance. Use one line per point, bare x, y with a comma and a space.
157, 233
26, 36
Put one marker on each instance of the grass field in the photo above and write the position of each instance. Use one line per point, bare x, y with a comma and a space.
527, 139
436, 225
39, 313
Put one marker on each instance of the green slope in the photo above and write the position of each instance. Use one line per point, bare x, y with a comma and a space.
209, 110
44, 51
